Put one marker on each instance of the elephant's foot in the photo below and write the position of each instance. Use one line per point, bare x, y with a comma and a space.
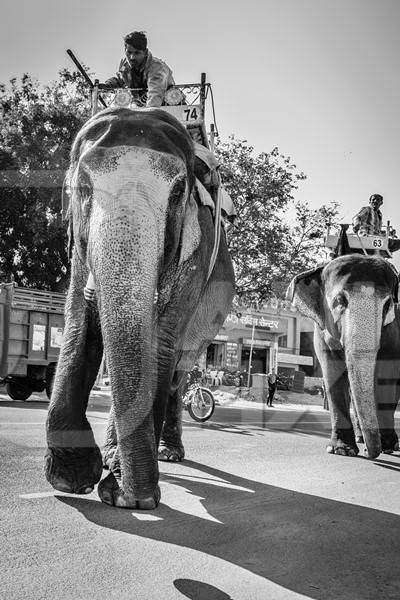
342, 449
168, 452
110, 492
390, 442
73, 470
396, 448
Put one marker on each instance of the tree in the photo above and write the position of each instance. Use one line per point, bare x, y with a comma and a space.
38, 126
306, 241
267, 251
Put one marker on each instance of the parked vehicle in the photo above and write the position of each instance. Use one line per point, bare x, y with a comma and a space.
199, 402
31, 327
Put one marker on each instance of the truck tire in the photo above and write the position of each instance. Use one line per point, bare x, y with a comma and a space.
18, 390
50, 372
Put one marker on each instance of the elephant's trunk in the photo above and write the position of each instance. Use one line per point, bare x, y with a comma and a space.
126, 243
362, 335
126, 270
361, 371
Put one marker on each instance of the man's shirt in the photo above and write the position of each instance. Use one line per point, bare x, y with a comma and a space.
154, 76
368, 221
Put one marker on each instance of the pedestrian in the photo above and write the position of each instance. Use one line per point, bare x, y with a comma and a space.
272, 382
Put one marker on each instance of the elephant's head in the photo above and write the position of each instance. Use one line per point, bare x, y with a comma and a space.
352, 300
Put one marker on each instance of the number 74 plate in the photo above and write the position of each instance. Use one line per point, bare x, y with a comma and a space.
186, 114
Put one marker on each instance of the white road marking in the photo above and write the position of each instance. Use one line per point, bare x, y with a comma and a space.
39, 495
143, 516
19, 423
216, 482
7, 423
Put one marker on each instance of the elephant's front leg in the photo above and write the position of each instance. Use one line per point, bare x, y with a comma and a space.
337, 388
73, 460
208, 316
130, 451
171, 446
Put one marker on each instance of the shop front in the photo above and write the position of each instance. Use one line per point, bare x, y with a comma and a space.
255, 342
247, 340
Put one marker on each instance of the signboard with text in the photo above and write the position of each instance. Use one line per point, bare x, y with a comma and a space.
274, 324
232, 355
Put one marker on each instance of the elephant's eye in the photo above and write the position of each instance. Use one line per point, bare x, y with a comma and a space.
177, 190
340, 302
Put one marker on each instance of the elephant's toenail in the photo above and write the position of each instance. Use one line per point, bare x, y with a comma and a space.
62, 487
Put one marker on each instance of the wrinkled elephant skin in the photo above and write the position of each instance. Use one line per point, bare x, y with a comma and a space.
138, 228
353, 301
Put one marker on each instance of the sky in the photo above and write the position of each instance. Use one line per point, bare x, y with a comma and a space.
319, 79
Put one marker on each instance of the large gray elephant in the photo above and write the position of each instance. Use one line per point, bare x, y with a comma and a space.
353, 302
140, 230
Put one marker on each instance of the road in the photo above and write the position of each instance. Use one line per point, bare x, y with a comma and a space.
257, 511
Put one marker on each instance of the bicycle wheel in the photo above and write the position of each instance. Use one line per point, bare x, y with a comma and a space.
202, 405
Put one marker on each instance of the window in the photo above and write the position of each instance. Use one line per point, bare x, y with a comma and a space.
282, 341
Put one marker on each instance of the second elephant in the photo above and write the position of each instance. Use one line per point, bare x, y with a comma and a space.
353, 301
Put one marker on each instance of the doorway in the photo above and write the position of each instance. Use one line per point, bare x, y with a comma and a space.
216, 354
259, 359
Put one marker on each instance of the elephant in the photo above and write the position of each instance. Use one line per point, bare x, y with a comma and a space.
139, 229
353, 301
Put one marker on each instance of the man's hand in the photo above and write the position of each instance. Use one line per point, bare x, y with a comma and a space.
88, 294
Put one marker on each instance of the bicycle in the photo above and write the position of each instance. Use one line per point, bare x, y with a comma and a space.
199, 402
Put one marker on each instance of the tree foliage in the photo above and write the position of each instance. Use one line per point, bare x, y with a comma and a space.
266, 249
38, 125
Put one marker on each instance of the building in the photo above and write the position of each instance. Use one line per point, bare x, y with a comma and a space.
277, 336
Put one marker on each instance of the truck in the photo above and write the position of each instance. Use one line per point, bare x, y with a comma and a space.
31, 329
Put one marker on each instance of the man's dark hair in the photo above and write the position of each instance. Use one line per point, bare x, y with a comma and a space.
376, 197
137, 39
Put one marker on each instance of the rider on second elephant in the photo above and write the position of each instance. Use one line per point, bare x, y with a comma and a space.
368, 221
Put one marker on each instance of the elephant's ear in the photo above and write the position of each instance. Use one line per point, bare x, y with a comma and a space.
305, 292
191, 232
66, 212
395, 289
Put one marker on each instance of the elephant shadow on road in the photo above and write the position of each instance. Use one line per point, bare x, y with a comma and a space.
314, 546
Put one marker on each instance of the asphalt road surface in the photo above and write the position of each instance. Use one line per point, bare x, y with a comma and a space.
257, 511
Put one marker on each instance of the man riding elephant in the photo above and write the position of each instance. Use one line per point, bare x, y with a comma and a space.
141, 70
368, 221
